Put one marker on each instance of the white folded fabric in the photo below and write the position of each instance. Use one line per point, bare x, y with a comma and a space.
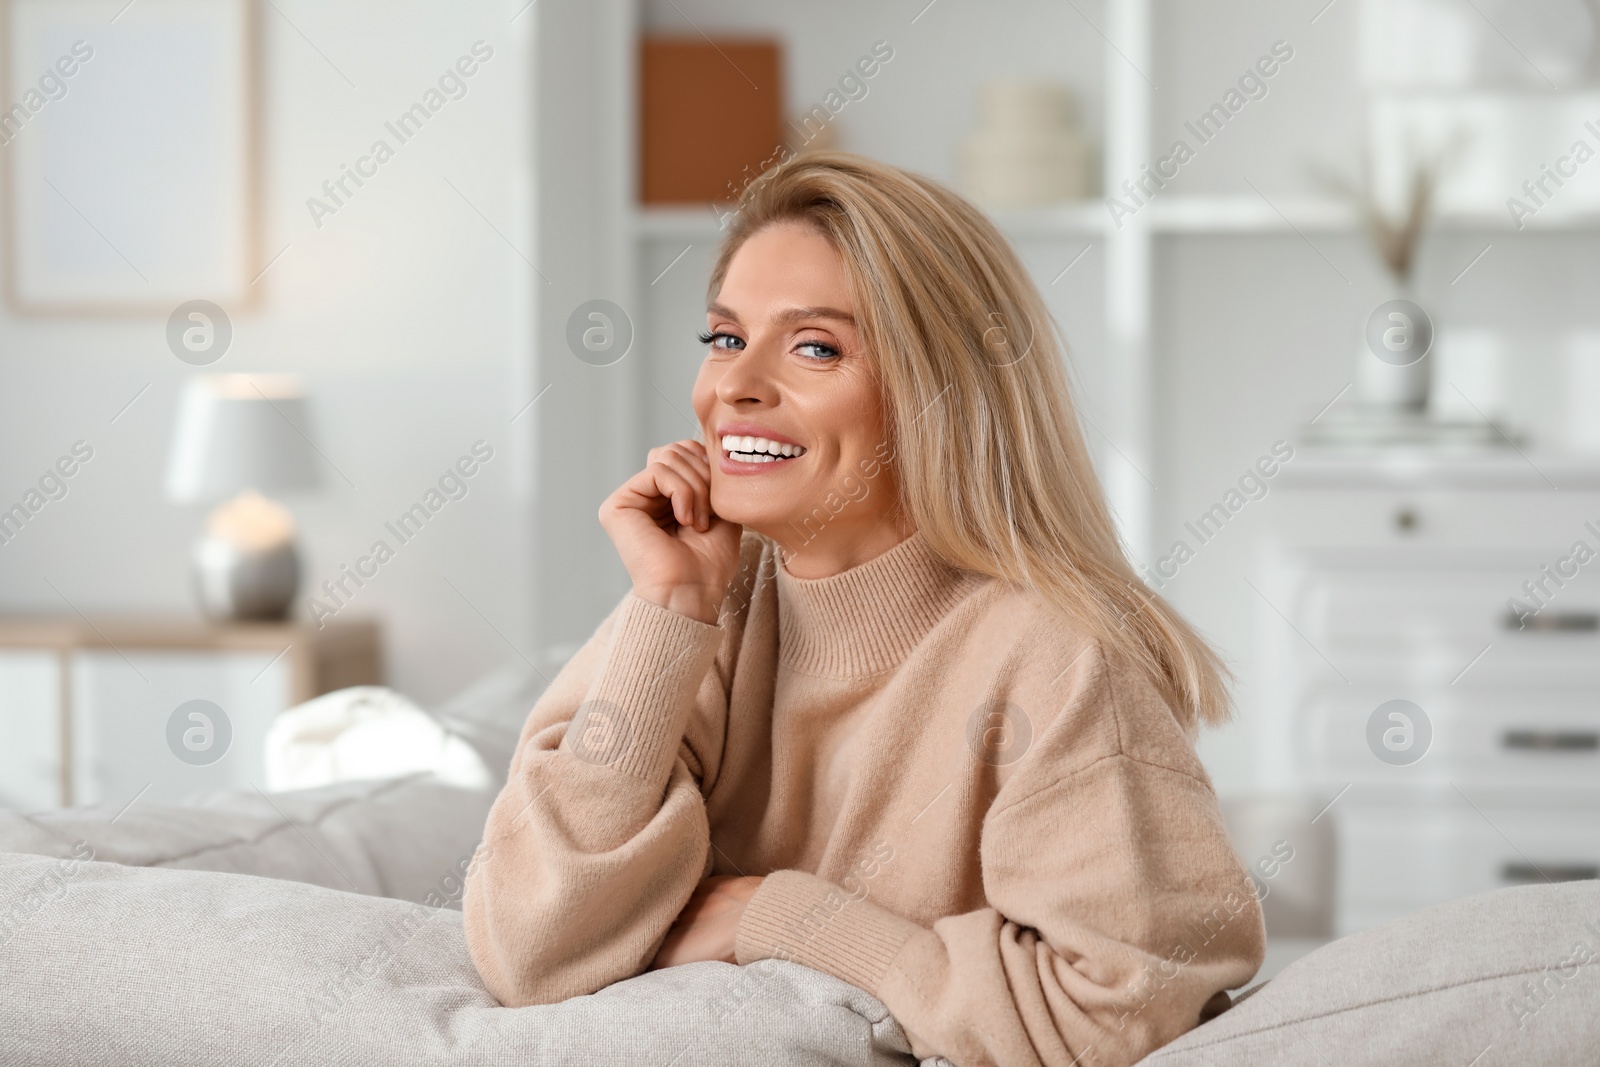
361, 733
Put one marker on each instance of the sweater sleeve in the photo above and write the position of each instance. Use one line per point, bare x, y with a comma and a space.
600, 834
1117, 914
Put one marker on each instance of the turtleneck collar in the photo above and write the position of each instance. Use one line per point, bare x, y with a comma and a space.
867, 619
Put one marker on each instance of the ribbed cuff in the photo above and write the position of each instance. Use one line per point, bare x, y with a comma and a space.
637, 707
799, 917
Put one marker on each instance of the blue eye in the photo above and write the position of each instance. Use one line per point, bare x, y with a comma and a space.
716, 340
823, 352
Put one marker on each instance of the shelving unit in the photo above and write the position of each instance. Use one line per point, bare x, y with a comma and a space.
1250, 215
1175, 215
1084, 219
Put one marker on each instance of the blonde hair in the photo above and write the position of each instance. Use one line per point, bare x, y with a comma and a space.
995, 473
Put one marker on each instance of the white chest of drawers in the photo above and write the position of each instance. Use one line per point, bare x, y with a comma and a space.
1452, 585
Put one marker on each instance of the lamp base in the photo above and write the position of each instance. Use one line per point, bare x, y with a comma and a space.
239, 577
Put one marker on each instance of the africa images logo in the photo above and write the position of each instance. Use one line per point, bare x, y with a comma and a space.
1399, 732
199, 732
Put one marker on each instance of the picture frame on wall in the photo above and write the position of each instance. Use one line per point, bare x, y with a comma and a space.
130, 180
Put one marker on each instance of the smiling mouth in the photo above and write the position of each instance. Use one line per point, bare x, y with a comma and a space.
759, 449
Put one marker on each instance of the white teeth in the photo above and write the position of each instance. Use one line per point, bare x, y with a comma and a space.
759, 449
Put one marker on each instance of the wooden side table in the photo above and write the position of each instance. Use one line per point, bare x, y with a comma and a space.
87, 704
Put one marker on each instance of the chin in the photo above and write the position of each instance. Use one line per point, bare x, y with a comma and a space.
756, 511
751, 516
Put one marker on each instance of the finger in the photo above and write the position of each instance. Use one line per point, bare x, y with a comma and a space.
702, 463
642, 492
683, 491
701, 459
679, 490
667, 954
693, 453
688, 444
697, 446
685, 467
691, 450
658, 490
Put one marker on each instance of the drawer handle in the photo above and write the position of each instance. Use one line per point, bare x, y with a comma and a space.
1525, 873
1554, 622
1552, 740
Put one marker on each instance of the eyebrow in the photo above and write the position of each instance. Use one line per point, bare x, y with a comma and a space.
791, 315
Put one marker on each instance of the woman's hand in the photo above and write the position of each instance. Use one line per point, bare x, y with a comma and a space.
680, 555
705, 928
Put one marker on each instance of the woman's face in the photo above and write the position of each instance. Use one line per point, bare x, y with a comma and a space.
789, 403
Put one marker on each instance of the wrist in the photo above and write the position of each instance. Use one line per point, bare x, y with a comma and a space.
683, 599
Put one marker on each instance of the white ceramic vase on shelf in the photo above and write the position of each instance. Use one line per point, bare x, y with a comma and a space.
1394, 368
1383, 385
1027, 150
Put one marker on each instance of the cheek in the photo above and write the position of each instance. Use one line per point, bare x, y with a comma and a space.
862, 425
705, 392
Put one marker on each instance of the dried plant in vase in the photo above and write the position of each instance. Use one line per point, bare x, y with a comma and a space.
1392, 371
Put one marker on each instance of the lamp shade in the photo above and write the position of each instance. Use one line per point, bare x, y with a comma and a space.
240, 431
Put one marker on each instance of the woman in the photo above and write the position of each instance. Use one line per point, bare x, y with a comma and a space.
885, 699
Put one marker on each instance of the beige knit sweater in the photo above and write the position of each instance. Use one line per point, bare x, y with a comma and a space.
960, 806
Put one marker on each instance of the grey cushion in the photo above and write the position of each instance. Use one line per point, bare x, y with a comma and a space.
1437, 987
108, 965
490, 713
399, 837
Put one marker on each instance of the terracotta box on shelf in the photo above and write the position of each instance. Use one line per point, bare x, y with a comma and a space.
707, 111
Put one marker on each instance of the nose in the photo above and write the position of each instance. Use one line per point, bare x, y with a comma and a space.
747, 380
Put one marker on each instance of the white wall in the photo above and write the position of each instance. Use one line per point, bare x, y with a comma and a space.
408, 316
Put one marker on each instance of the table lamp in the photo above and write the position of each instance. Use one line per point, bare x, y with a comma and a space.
238, 437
